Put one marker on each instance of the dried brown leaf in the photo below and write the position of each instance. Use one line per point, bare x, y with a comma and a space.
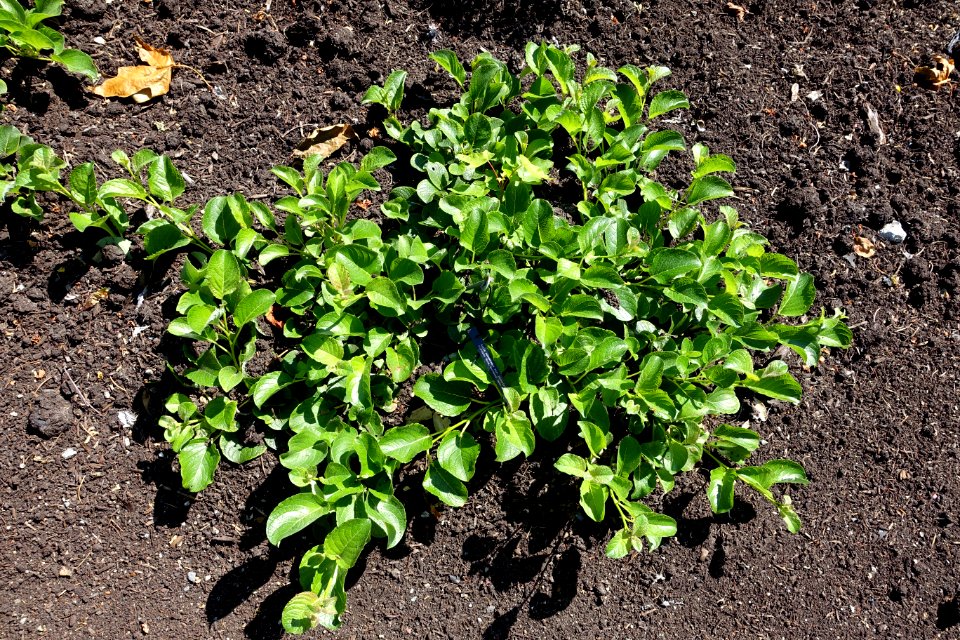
143, 82
935, 75
272, 319
737, 10
324, 142
864, 247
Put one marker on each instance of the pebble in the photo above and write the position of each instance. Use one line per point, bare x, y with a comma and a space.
893, 232
68, 453
454, 579
192, 577
100, 40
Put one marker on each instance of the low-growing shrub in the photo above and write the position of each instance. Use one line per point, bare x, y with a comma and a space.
536, 283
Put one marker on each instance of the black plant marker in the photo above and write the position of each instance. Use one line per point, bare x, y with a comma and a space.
486, 357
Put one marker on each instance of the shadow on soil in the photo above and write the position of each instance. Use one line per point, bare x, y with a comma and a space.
539, 545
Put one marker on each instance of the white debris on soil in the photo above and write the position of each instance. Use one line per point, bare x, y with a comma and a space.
127, 419
68, 453
893, 232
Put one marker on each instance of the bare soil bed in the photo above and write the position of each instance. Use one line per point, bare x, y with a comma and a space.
104, 543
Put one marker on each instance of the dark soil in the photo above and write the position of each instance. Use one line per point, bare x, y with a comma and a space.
103, 543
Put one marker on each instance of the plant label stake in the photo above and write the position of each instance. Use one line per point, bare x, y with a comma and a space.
485, 356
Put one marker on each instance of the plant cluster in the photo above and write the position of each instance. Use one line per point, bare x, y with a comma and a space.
537, 282
28, 168
23, 34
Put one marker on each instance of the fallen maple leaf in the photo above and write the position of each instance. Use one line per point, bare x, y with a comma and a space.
324, 142
143, 82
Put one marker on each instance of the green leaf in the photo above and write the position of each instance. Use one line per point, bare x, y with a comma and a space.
234, 450
716, 236
402, 360
357, 382
622, 183
222, 274
447, 287
593, 499
83, 183
385, 298
164, 180
406, 443
32, 37
687, 291
393, 90
620, 544
293, 515
572, 465
273, 251
448, 60
346, 542
228, 378
670, 263
683, 221
601, 277
325, 349
775, 265
782, 387
377, 158
718, 163
667, 101
254, 305
218, 222
121, 188
582, 306
220, 412
720, 489
76, 61
264, 388
302, 612
458, 453
550, 415
783, 471
474, 235
389, 517
198, 462
798, 297
728, 308
514, 436
10, 139
736, 442
790, 517
441, 483
446, 397
708, 188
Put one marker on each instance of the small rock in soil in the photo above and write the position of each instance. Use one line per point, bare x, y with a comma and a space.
52, 415
112, 254
193, 577
68, 453
893, 232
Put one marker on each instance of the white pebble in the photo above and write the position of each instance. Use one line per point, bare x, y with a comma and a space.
100, 40
68, 453
893, 232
